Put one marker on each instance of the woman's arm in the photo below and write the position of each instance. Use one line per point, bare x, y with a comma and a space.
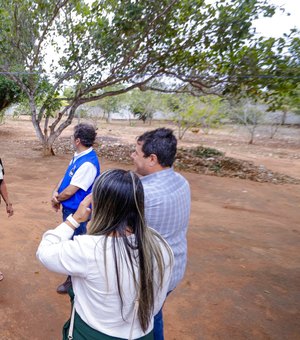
58, 253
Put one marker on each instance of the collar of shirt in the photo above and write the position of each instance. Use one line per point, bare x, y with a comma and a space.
162, 173
78, 155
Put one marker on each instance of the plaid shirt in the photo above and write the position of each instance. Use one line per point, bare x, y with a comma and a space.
167, 210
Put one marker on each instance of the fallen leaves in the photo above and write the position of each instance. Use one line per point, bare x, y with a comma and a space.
200, 160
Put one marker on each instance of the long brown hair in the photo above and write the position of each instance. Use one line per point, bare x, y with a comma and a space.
118, 207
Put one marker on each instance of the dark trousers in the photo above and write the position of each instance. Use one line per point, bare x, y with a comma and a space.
81, 229
158, 329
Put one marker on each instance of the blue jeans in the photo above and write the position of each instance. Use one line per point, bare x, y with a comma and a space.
158, 330
81, 229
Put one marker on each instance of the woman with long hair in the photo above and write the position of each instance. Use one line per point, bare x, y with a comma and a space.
120, 270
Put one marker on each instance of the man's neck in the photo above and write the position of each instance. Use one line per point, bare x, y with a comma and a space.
157, 168
81, 148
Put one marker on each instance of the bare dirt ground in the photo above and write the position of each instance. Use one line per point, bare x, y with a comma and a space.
243, 273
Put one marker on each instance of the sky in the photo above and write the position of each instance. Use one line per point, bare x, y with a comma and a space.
280, 23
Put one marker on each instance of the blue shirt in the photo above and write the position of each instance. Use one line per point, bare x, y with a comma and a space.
167, 210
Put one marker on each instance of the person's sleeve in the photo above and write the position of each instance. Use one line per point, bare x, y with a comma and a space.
161, 292
85, 176
58, 253
1, 170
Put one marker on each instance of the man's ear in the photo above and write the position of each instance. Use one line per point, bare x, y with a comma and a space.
153, 160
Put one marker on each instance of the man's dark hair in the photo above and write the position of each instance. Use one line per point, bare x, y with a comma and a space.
160, 142
86, 133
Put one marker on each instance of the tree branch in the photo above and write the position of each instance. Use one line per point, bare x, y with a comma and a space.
60, 4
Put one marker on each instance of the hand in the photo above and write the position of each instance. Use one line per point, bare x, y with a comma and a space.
9, 209
54, 198
55, 206
55, 202
83, 212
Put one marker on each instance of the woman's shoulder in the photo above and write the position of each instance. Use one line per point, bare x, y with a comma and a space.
90, 242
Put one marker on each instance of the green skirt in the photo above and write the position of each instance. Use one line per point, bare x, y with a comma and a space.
82, 331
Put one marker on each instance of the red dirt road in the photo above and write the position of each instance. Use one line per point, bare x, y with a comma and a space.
243, 274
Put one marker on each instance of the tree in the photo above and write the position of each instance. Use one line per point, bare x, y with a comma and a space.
10, 93
246, 113
278, 88
191, 112
199, 47
110, 104
280, 76
284, 94
144, 104
274, 121
286, 101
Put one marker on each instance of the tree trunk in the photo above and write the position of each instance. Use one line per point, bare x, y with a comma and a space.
48, 150
251, 137
109, 119
34, 120
46, 140
46, 143
283, 117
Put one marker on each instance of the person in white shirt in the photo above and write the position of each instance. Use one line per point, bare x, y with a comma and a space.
78, 180
120, 269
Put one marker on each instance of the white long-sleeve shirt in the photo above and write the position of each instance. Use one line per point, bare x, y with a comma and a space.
96, 294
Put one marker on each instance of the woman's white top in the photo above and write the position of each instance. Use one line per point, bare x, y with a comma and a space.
95, 286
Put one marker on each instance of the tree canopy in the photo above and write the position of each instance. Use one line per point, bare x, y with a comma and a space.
284, 92
199, 47
10, 92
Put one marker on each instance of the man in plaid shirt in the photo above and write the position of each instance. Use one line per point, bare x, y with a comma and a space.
167, 199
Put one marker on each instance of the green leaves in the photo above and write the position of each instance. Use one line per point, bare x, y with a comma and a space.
201, 47
194, 112
9, 92
144, 104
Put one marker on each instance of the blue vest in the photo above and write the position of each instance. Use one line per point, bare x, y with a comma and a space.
74, 201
